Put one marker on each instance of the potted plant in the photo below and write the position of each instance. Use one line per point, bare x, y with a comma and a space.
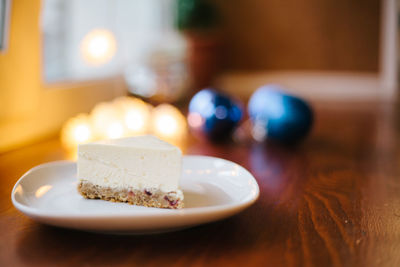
199, 21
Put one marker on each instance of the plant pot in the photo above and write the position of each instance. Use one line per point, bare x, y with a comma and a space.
204, 57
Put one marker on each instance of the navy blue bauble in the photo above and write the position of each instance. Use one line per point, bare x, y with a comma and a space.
279, 116
213, 114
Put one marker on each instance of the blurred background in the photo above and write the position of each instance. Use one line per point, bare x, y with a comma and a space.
87, 70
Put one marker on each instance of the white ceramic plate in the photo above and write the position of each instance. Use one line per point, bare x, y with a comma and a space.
214, 189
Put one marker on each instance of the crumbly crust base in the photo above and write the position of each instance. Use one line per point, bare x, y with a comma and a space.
147, 198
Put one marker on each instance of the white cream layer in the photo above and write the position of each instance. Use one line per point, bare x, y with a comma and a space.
135, 162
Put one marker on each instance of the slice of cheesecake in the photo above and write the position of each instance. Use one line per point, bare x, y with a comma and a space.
141, 170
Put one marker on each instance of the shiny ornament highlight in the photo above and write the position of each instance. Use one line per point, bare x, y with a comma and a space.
214, 114
279, 116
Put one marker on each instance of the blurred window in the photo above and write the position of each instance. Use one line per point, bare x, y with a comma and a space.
91, 39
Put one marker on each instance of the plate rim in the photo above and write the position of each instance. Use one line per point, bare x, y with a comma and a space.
209, 210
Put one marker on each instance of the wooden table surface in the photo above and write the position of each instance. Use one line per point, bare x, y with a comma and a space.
332, 201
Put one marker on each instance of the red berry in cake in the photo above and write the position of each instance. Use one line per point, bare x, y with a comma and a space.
171, 202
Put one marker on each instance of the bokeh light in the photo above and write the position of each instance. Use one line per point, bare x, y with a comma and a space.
107, 122
98, 47
115, 130
81, 133
135, 115
169, 124
76, 131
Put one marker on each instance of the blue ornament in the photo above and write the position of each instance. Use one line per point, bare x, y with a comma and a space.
279, 116
213, 114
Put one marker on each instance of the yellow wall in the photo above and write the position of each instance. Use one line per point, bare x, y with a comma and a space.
19, 64
30, 109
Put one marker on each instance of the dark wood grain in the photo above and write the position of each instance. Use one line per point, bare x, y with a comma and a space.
332, 201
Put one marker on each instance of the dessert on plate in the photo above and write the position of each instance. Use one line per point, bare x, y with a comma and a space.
142, 170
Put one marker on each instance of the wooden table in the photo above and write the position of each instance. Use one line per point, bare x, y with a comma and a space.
332, 201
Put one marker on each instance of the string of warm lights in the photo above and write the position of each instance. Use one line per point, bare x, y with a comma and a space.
123, 117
